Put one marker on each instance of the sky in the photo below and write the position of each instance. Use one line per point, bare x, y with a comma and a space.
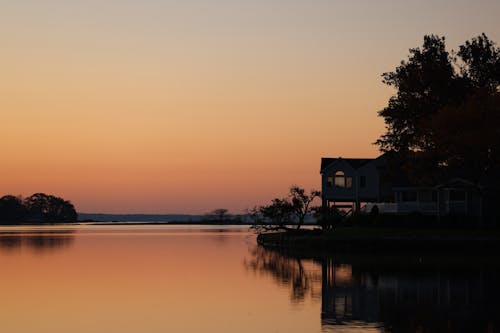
159, 106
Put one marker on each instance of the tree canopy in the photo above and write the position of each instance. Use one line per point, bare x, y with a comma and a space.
11, 209
445, 113
39, 207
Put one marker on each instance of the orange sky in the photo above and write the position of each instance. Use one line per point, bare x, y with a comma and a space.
160, 107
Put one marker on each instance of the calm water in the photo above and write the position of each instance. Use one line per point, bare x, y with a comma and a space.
215, 279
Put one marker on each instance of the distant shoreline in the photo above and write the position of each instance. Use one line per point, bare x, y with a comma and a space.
32, 223
162, 223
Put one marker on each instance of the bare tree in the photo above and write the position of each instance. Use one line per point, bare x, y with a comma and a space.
301, 203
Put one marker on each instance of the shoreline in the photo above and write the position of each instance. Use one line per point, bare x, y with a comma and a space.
122, 223
353, 240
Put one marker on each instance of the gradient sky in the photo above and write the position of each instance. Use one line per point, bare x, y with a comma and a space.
185, 106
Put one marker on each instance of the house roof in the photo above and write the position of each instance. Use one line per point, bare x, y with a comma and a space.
458, 183
355, 163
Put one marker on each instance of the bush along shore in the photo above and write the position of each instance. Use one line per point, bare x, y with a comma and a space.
353, 239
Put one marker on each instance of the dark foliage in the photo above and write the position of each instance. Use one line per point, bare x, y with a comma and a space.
445, 116
39, 207
278, 212
284, 211
328, 217
480, 63
425, 83
11, 209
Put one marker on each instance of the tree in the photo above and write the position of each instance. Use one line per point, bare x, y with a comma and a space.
41, 206
468, 136
220, 213
301, 203
282, 211
444, 115
279, 212
480, 63
11, 209
425, 83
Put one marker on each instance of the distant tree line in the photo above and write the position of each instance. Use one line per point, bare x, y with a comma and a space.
444, 119
39, 207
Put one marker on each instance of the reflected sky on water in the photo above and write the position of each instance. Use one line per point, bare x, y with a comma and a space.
216, 279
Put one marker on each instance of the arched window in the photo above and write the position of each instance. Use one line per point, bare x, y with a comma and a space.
340, 179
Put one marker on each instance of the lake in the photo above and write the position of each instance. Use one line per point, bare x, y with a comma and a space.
160, 278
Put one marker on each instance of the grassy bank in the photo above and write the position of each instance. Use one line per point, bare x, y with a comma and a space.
355, 239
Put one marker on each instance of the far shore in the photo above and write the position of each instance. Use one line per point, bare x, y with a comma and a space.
163, 223
45, 223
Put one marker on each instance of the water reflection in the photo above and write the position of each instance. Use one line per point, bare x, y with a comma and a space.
39, 241
392, 293
303, 276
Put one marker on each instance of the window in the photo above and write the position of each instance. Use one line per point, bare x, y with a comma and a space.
362, 181
348, 182
339, 179
330, 181
342, 181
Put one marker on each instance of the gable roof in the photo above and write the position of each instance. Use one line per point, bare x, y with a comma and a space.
355, 163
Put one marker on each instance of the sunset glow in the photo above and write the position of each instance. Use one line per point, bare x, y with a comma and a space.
168, 107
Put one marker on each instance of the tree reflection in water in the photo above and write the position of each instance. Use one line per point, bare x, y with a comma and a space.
392, 293
303, 276
38, 241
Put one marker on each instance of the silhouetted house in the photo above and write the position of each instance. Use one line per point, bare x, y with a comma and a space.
351, 181
363, 183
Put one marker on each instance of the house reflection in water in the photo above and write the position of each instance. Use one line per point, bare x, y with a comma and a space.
412, 296
390, 293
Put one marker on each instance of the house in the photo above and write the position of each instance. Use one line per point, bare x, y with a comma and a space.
348, 182
360, 184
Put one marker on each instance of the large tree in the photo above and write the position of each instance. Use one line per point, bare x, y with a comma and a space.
425, 83
468, 135
443, 118
50, 208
